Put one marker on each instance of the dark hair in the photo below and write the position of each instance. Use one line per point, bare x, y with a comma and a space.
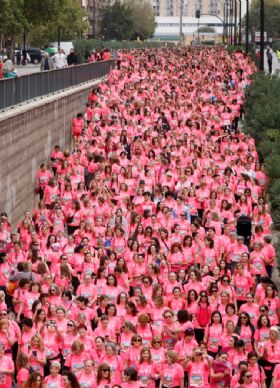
207, 300
216, 312
110, 305
27, 322
242, 376
239, 343
259, 323
183, 316
72, 378
248, 323
232, 306
251, 354
134, 311
132, 373
188, 296
115, 279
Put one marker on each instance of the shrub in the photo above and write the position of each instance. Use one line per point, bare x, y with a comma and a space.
262, 112
272, 163
276, 45
232, 49
84, 47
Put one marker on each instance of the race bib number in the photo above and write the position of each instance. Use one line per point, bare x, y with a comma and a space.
196, 380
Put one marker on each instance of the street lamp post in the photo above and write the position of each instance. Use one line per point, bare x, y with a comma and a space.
247, 26
262, 35
224, 22
231, 20
181, 21
226, 19
239, 34
235, 23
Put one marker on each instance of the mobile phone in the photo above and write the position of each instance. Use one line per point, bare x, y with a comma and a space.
34, 353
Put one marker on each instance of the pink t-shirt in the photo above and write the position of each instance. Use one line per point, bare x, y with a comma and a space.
54, 381
171, 375
198, 373
6, 363
22, 376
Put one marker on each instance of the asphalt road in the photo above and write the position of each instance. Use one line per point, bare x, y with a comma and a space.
28, 69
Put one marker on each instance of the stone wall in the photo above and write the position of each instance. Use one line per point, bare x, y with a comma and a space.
27, 136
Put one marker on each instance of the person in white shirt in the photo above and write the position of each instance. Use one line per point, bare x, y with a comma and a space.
60, 60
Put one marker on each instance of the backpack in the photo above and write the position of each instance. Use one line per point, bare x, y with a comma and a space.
203, 316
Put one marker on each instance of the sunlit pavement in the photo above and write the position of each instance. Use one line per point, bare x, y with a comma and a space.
28, 69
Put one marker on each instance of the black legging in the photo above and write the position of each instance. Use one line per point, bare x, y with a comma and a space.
268, 368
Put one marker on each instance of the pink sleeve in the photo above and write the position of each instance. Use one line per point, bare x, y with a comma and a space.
180, 372
68, 361
23, 374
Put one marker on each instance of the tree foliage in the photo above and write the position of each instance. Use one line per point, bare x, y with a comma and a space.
206, 29
126, 20
143, 17
11, 16
271, 17
117, 22
41, 19
262, 112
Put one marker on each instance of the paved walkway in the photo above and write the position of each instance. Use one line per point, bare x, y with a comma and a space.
28, 69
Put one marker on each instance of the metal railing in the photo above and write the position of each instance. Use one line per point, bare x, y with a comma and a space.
15, 91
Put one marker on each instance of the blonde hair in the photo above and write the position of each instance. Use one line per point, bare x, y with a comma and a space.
172, 354
2, 296
40, 339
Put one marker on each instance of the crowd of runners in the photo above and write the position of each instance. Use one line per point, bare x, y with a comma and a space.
148, 260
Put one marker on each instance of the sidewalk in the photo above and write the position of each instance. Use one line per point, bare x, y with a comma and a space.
28, 69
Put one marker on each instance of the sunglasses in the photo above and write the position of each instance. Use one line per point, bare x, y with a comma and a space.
243, 317
70, 324
203, 295
225, 280
248, 376
168, 316
137, 340
157, 342
105, 370
262, 311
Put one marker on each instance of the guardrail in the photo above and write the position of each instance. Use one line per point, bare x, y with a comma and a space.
15, 91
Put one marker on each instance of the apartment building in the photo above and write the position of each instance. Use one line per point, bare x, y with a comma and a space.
172, 7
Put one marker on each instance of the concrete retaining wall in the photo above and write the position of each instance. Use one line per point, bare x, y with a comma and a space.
27, 136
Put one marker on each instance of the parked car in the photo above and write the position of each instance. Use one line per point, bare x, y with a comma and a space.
18, 60
35, 54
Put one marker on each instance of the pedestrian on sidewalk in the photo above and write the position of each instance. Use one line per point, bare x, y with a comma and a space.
46, 63
269, 60
278, 55
60, 60
72, 58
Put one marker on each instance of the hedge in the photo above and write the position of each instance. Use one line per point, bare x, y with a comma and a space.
262, 121
84, 47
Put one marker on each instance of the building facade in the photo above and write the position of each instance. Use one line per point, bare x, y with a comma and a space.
94, 9
172, 7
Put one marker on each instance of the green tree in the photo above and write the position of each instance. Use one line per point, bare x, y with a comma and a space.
69, 18
40, 20
11, 22
271, 17
143, 18
206, 29
117, 21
